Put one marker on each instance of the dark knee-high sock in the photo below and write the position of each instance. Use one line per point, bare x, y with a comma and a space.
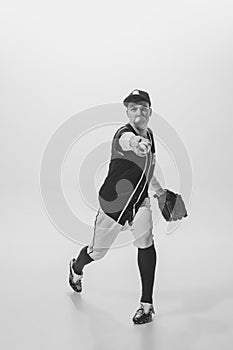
82, 260
146, 264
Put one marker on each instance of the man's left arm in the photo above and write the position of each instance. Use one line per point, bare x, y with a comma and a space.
156, 187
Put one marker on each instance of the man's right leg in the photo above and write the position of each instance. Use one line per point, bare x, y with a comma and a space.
106, 231
83, 259
76, 269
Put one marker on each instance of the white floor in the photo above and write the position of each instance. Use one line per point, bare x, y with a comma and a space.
193, 293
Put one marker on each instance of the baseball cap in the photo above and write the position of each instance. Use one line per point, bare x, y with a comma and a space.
136, 96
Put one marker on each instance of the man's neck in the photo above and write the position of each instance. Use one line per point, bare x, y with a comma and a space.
141, 132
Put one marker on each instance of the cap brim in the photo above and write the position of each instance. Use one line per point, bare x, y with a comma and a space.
135, 98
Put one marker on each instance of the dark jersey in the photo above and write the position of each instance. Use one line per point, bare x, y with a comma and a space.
126, 184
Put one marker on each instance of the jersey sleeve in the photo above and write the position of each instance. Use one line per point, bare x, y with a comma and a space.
117, 144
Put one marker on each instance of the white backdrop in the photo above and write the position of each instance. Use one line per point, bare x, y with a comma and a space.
61, 57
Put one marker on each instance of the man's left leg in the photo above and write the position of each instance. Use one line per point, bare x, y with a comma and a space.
146, 265
142, 231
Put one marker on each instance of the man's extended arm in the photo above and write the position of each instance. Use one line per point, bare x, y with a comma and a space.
131, 142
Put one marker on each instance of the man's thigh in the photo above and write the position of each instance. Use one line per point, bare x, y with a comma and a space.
143, 225
106, 231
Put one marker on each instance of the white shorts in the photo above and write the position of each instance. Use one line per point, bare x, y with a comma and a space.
106, 231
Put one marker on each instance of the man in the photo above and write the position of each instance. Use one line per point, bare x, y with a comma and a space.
125, 203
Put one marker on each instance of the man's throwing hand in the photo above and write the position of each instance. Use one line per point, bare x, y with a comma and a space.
140, 145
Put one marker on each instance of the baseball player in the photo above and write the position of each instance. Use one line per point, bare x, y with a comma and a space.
124, 202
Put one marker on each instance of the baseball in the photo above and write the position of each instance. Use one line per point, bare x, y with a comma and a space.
144, 147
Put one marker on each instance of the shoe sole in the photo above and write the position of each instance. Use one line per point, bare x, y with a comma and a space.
143, 322
146, 320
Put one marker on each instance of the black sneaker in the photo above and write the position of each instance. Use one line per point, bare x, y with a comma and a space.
141, 316
74, 279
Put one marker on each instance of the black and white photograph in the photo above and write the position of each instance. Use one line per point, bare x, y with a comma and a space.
116, 141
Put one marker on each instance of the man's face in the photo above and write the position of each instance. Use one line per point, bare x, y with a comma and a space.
139, 109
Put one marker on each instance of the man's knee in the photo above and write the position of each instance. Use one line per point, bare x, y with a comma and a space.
145, 241
97, 253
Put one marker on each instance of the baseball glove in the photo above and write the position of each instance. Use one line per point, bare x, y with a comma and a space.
171, 206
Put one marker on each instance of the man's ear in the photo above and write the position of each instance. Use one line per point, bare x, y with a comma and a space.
150, 112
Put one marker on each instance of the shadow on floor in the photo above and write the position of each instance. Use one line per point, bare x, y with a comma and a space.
197, 300
194, 304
